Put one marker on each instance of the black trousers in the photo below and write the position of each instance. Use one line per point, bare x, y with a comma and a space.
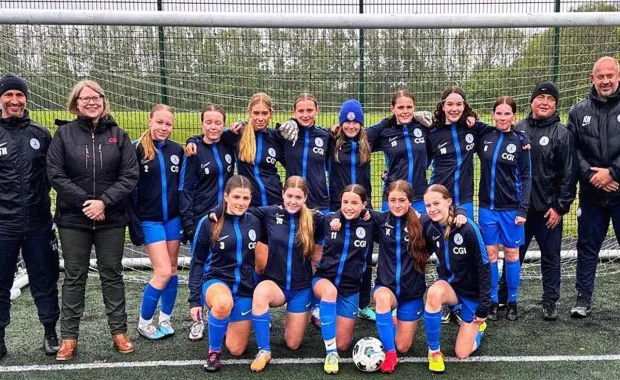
550, 244
40, 254
76, 247
593, 224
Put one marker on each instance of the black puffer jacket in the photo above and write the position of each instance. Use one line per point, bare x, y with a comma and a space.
595, 126
91, 163
24, 188
554, 178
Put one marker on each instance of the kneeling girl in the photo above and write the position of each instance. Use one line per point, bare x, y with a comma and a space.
222, 271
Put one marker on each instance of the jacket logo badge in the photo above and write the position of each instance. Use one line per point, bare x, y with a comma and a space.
544, 141
511, 148
360, 232
113, 140
458, 239
417, 132
35, 144
618, 118
469, 138
3, 150
174, 159
586, 120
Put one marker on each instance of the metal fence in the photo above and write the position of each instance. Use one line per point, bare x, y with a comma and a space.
191, 67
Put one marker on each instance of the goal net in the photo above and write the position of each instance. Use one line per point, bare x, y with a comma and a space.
190, 67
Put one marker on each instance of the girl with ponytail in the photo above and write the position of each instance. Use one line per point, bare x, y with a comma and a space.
226, 284
155, 218
463, 276
292, 230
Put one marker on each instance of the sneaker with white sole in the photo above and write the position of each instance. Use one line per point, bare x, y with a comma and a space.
260, 361
150, 332
196, 331
331, 363
583, 306
165, 327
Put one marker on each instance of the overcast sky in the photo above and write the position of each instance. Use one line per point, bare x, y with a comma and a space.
312, 6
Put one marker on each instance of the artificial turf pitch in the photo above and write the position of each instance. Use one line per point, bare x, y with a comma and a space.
510, 350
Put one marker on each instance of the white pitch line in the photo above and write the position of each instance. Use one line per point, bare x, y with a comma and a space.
289, 361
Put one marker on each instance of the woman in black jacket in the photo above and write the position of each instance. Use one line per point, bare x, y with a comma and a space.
93, 167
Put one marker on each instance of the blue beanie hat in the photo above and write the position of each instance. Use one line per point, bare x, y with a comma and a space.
13, 82
351, 110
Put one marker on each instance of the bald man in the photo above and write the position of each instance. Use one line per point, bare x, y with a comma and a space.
595, 125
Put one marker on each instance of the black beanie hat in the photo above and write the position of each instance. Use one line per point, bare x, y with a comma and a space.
13, 82
545, 87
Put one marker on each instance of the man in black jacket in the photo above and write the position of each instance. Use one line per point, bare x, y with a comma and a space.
595, 125
25, 218
553, 187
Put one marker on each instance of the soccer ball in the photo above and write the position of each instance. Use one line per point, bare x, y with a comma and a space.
368, 354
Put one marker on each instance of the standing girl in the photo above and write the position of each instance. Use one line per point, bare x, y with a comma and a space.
403, 141
292, 230
349, 163
222, 271
505, 185
155, 218
338, 276
204, 175
451, 146
307, 155
464, 276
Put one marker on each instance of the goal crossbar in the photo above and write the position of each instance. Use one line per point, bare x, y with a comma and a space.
301, 20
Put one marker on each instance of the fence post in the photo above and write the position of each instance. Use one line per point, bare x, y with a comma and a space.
556, 46
163, 75
361, 89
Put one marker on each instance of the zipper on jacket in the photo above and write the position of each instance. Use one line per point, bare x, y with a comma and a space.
94, 167
87, 156
100, 158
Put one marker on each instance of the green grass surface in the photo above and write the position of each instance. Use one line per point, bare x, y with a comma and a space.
530, 336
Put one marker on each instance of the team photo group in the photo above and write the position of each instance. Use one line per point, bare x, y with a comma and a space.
305, 242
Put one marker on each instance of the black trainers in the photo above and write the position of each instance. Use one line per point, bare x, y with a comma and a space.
511, 311
50, 343
582, 308
549, 312
213, 362
493, 311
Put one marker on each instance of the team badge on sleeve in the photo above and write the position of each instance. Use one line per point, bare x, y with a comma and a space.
35, 144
